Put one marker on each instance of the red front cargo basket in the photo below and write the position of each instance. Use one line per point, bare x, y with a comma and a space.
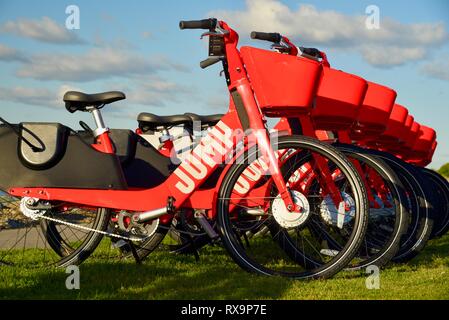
402, 136
407, 130
395, 126
424, 148
338, 99
283, 84
413, 135
374, 112
432, 151
424, 143
407, 152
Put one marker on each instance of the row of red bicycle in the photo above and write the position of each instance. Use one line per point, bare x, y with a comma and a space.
339, 182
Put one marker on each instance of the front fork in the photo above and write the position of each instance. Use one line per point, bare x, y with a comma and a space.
321, 168
344, 137
260, 132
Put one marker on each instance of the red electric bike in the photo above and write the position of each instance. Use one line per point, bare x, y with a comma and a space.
61, 178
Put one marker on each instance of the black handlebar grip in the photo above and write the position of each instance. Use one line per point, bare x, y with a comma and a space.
209, 61
208, 24
272, 37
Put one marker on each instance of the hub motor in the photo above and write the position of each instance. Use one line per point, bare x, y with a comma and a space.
291, 219
338, 216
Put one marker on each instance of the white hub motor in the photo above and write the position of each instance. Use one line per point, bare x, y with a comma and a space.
291, 219
338, 216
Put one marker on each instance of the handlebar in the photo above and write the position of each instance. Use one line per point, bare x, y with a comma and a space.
208, 24
266, 36
284, 45
220, 35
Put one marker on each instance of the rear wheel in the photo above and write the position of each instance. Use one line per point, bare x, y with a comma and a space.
54, 237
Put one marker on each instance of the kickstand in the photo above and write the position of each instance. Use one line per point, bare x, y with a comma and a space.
134, 252
195, 251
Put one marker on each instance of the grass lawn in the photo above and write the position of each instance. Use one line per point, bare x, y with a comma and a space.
215, 276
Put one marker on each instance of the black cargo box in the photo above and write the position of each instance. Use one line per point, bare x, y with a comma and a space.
54, 157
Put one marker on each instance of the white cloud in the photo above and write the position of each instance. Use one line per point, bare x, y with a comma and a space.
391, 55
97, 63
154, 91
45, 30
30, 96
142, 91
41, 97
309, 26
10, 54
438, 69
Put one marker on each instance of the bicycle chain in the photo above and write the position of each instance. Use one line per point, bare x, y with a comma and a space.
95, 230
110, 233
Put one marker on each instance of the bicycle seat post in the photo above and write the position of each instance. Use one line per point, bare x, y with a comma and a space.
99, 122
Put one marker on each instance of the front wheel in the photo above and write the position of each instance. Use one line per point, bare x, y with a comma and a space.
262, 238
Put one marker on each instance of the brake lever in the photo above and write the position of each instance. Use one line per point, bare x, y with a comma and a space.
219, 32
283, 46
214, 34
280, 48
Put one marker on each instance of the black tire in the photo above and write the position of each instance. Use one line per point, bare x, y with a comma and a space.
441, 202
234, 245
88, 245
421, 211
390, 228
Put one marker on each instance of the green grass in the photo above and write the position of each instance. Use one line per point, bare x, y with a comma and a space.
215, 276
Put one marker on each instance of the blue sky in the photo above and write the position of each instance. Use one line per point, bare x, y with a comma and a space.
136, 47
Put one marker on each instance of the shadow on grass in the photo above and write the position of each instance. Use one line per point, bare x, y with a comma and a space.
165, 276
171, 276
435, 251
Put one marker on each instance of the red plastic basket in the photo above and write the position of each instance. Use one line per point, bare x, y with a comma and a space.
283, 84
402, 137
432, 152
374, 112
413, 135
338, 99
408, 127
395, 126
424, 143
